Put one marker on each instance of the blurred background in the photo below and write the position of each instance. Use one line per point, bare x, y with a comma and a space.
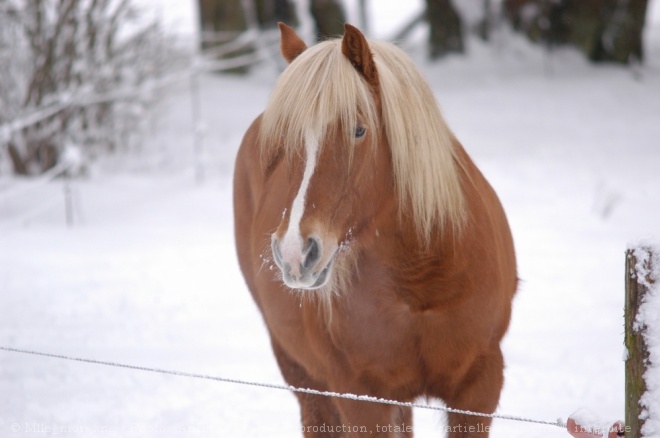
119, 124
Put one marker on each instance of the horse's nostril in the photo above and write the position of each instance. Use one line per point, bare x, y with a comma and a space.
312, 253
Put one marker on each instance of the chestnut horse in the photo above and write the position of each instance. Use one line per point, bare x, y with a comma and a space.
378, 254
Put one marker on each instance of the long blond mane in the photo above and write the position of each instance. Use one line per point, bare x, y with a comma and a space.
320, 88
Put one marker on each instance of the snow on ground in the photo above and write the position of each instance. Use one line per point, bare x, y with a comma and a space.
148, 275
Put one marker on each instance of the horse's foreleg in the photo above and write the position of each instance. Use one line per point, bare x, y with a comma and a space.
479, 391
317, 412
366, 419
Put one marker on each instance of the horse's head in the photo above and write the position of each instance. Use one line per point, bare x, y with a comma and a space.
325, 110
361, 136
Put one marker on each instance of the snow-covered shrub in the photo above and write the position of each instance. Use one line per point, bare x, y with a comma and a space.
89, 62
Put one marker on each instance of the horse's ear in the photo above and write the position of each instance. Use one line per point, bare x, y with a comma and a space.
290, 43
354, 46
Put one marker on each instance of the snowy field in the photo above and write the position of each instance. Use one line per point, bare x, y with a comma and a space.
148, 275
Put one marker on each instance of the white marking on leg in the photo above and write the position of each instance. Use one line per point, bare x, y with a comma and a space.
292, 243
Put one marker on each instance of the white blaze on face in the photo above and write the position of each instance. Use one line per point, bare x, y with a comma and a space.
291, 246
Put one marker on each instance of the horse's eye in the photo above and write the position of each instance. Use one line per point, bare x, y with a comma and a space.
360, 131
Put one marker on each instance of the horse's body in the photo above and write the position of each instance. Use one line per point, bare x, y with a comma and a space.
378, 254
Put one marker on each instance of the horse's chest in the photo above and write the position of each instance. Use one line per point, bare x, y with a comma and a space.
380, 334
386, 340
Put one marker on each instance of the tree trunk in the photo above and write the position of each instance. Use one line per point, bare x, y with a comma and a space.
220, 16
604, 30
329, 18
269, 12
228, 17
621, 37
18, 163
446, 28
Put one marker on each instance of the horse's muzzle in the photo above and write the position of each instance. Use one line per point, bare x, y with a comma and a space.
302, 267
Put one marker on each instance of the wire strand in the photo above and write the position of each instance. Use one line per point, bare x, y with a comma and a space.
365, 398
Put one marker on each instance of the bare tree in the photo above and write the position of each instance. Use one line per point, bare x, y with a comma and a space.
61, 51
446, 28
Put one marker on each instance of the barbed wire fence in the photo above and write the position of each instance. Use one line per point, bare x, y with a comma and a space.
270, 386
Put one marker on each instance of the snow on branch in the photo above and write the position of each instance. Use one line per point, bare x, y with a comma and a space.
62, 63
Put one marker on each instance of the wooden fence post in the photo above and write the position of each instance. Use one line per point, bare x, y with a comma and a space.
639, 279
